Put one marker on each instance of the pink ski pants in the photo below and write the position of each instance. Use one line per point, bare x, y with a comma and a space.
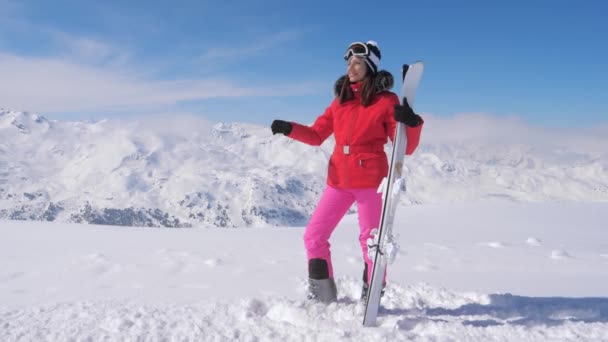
332, 207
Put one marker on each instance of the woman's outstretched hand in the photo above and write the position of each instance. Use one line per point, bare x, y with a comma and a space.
280, 126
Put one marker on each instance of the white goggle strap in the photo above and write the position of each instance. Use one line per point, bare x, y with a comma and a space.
350, 52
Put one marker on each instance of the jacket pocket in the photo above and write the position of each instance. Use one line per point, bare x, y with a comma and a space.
333, 172
372, 166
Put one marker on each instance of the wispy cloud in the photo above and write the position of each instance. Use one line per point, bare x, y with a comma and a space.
76, 73
60, 85
486, 128
80, 49
259, 46
88, 50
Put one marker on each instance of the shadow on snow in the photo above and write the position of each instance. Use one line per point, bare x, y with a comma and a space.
514, 310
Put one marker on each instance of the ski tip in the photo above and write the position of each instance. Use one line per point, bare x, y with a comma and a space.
418, 64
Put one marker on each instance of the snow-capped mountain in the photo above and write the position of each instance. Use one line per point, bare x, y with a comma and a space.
184, 171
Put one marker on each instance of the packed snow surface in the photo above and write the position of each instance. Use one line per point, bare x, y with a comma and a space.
490, 271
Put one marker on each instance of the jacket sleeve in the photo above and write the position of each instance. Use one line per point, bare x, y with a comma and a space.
413, 137
412, 133
317, 133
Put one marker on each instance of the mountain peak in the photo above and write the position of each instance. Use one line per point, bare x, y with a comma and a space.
23, 121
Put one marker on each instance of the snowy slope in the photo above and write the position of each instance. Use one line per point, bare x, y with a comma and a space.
493, 271
183, 171
159, 172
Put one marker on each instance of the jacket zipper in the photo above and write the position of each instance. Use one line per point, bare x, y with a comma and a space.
348, 136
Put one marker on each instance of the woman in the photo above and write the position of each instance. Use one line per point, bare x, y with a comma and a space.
361, 117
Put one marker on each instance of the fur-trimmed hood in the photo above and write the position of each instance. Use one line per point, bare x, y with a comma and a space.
383, 82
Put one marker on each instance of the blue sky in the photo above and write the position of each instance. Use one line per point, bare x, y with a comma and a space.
254, 61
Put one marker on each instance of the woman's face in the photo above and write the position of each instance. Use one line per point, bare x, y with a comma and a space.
356, 69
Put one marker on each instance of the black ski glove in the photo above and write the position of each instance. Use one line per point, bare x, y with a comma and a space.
280, 126
404, 113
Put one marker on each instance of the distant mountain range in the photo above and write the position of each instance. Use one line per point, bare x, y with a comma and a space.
184, 171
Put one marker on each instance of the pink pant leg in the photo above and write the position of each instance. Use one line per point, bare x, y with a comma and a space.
333, 205
369, 207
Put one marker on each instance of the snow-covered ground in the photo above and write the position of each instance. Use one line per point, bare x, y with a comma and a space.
486, 271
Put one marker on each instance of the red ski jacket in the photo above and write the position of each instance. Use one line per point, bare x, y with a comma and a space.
358, 159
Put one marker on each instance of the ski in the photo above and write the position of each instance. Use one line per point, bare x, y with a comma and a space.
381, 246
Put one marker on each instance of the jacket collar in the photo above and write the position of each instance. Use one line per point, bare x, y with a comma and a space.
382, 82
356, 88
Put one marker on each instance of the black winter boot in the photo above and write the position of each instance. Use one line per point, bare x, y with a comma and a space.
321, 287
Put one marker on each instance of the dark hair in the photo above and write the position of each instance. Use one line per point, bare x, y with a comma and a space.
367, 89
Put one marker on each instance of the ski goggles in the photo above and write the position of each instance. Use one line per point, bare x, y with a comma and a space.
356, 49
